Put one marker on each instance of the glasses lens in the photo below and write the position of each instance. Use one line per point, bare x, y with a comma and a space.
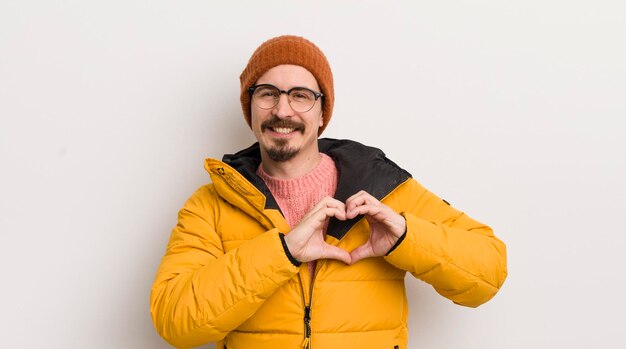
265, 96
301, 99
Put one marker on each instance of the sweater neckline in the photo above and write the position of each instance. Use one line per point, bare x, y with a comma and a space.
317, 177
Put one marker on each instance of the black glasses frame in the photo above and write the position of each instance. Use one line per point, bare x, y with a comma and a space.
317, 95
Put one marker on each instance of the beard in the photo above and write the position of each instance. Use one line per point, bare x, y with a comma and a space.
280, 151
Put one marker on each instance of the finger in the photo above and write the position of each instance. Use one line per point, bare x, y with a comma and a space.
325, 202
336, 212
361, 193
377, 211
334, 252
383, 214
361, 252
359, 199
320, 216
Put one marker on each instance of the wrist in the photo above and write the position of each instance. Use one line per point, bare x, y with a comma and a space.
397, 243
401, 231
401, 236
292, 259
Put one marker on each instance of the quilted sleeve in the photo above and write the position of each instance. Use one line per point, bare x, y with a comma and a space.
200, 293
460, 257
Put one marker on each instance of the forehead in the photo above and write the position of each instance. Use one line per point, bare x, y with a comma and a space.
287, 76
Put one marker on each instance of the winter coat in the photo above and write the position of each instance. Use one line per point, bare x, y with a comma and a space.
225, 276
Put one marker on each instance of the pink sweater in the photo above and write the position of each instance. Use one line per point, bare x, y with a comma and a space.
297, 196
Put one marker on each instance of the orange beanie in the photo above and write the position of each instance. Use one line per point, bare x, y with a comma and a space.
289, 49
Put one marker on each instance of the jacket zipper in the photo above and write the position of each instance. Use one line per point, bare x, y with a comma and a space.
307, 328
306, 344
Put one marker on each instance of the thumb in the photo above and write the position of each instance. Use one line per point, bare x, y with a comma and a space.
334, 252
361, 252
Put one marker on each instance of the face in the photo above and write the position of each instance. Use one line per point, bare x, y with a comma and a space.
282, 132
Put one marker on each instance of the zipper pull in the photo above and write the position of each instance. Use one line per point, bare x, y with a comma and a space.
307, 328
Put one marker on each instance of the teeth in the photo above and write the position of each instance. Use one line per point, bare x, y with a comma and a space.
284, 130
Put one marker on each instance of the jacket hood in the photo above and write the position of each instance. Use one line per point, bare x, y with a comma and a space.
359, 167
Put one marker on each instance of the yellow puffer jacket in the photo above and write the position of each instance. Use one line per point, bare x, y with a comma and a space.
225, 276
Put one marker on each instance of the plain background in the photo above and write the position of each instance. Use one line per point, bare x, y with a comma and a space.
513, 111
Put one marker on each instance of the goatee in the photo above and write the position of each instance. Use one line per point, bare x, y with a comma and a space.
281, 152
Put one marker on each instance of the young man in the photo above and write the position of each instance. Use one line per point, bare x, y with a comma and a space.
304, 242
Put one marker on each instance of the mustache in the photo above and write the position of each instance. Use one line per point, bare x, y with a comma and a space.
276, 122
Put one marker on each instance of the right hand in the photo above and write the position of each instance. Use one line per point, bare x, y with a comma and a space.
306, 241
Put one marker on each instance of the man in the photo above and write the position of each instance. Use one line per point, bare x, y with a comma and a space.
305, 242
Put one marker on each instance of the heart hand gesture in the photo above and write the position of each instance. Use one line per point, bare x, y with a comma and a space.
386, 226
306, 241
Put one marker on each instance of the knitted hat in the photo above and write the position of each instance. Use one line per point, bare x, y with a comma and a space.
289, 49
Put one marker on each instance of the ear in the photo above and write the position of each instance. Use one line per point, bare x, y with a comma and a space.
321, 119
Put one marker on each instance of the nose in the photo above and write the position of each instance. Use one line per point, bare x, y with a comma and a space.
283, 108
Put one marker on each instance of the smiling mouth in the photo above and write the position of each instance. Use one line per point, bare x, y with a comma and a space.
282, 130
282, 127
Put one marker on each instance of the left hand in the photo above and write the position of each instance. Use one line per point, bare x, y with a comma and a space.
386, 226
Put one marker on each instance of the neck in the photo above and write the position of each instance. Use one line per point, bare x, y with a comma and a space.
295, 167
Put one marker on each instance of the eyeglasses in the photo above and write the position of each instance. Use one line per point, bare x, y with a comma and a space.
301, 99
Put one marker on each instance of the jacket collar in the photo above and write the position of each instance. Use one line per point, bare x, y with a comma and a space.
359, 167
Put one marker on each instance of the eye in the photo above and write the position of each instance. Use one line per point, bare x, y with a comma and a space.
301, 95
266, 92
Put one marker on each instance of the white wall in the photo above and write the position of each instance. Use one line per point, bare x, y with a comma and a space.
512, 111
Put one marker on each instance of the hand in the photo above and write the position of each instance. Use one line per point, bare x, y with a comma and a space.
386, 226
306, 241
